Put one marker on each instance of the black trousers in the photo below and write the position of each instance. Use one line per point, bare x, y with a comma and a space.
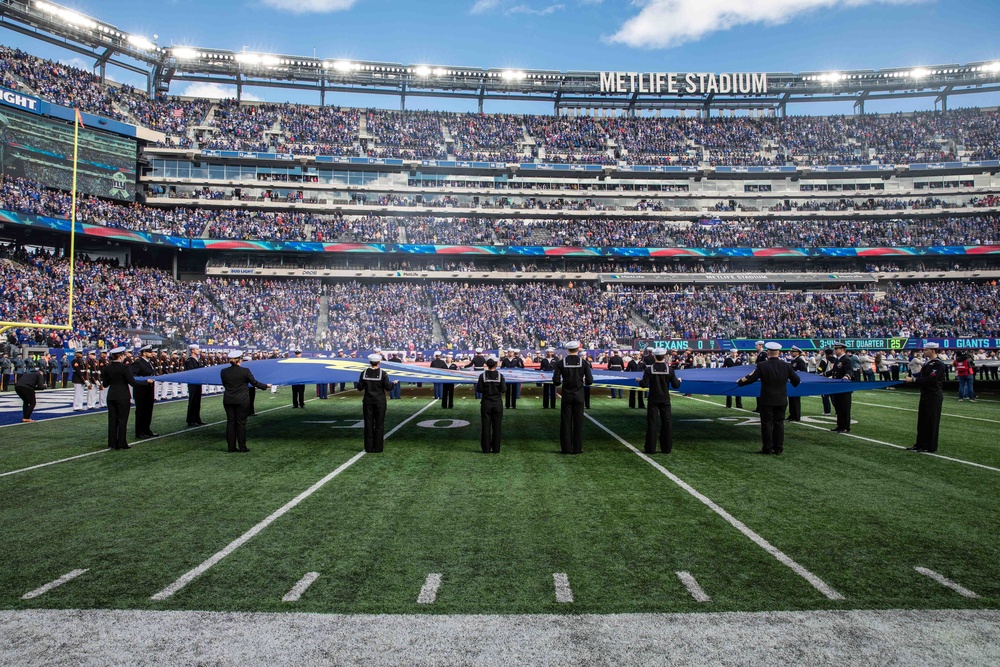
28, 401
636, 395
491, 414
795, 408
571, 424
842, 404
661, 411
448, 395
236, 425
548, 396
929, 421
374, 412
298, 395
739, 401
253, 399
194, 404
143, 410
772, 428
510, 398
118, 412
586, 397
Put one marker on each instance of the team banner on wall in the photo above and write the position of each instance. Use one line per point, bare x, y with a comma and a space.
900, 344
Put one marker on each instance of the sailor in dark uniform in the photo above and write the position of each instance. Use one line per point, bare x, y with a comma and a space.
733, 359
512, 389
616, 364
931, 381
118, 378
548, 364
822, 367
635, 396
448, 388
478, 364
143, 394
236, 383
842, 369
761, 357
375, 383
573, 374
492, 386
193, 362
774, 375
795, 402
438, 362
298, 390
659, 379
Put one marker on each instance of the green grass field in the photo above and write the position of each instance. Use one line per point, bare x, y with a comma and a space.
856, 514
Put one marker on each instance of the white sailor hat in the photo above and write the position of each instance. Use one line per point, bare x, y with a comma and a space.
194, 346
146, 348
573, 345
760, 342
931, 346
659, 352
839, 344
374, 358
796, 348
550, 349
772, 346
491, 360
118, 350
513, 349
235, 354
438, 353
479, 350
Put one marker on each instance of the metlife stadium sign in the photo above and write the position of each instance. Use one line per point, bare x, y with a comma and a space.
692, 83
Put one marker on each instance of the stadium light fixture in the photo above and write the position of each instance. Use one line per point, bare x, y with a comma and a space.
66, 16
184, 53
513, 75
141, 42
422, 70
993, 67
439, 72
341, 65
919, 73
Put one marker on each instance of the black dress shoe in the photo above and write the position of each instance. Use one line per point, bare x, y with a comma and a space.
125, 447
244, 450
914, 449
764, 451
200, 424
152, 435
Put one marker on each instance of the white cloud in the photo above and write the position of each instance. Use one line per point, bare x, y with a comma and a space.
667, 23
311, 6
79, 63
544, 11
215, 91
483, 6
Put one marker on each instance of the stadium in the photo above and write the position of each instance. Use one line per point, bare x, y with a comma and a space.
691, 212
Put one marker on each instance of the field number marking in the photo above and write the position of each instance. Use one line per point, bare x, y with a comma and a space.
690, 583
69, 576
945, 581
564, 594
300, 588
429, 591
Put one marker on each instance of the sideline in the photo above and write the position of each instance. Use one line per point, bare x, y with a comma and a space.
783, 558
134, 443
861, 437
213, 560
943, 414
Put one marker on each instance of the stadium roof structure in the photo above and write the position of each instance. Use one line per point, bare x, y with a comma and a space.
107, 44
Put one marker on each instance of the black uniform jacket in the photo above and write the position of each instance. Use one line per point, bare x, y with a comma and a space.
841, 368
118, 378
573, 373
492, 385
374, 382
774, 375
235, 381
932, 378
659, 378
31, 380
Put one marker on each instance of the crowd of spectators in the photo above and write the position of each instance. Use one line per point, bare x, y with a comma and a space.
272, 314
478, 316
375, 316
418, 132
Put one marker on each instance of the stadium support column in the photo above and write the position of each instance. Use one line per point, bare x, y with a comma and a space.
402, 96
859, 104
239, 88
942, 99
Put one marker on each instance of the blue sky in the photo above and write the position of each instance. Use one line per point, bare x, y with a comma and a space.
642, 35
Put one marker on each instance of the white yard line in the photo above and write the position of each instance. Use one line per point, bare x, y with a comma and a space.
69, 576
213, 560
134, 443
690, 583
564, 594
872, 440
943, 414
298, 589
429, 591
779, 555
945, 581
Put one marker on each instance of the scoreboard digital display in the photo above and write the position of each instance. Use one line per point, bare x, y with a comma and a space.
815, 344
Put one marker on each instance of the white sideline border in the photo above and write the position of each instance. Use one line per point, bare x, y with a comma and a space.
213, 560
779, 555
861, 437
134, 443
429, 591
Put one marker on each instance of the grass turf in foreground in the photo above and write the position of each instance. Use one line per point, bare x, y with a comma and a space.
858, 515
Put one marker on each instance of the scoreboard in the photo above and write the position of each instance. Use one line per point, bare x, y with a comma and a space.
816, 344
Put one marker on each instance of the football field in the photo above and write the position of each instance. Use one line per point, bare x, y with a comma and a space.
304, 523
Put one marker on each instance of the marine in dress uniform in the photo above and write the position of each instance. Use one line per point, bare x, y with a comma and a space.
492, 386
616, 364
573, 374
374, 382
659, 379
931, 381
236, 383
438, 362
448, 388
729, 362
118, 379
548, 363
512, 390
298, 390
795, 402
774, 375
102, 392
635, 396
193, 363
478, 364
79, 379
144, 394
842, 369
